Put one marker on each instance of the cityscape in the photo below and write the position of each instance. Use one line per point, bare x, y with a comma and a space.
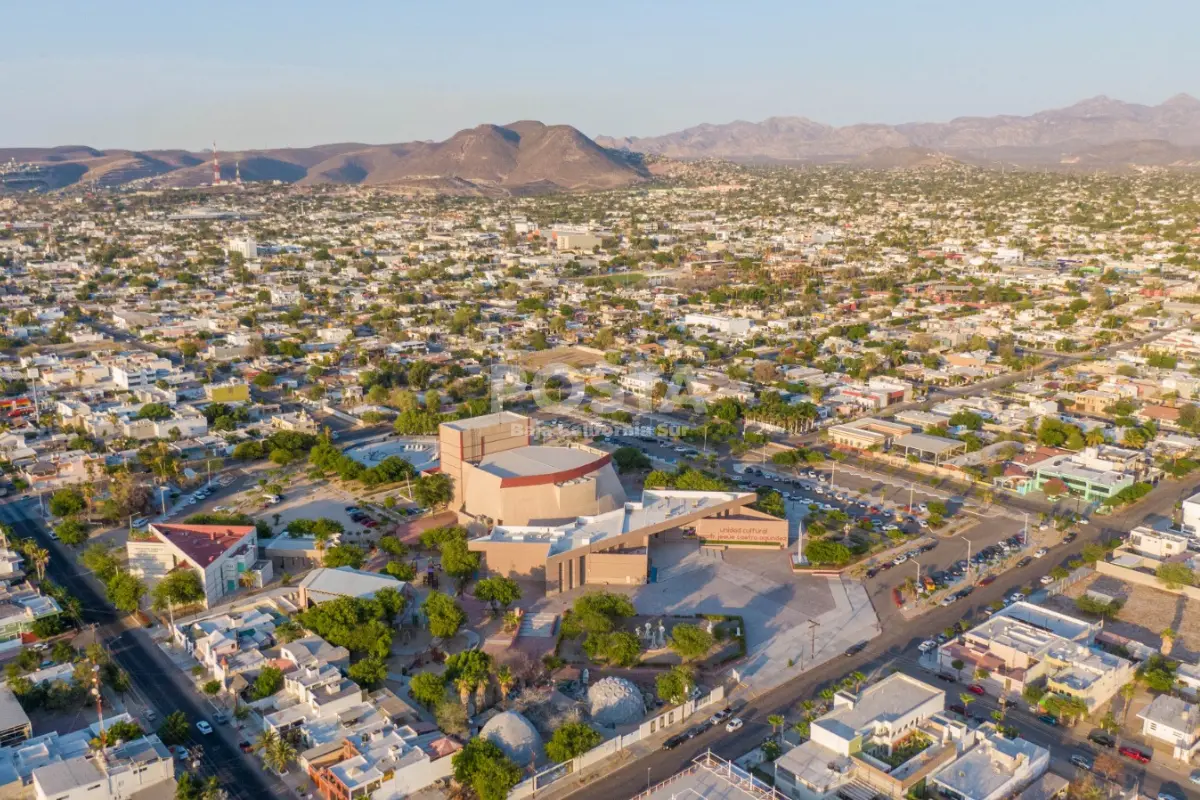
773, 460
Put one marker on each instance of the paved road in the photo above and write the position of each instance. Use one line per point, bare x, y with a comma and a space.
898, 641
153, 675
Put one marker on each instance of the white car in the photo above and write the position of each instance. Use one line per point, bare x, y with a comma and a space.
734, 724
900, 559
1046, 580
927, 645
1041, 551
204, 727
1016, 597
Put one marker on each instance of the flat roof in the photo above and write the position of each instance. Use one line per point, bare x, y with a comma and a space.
893, 698
11, 713
712, 778
531, 460
657, 506
347, 582
986, 768
486, 421
927, 444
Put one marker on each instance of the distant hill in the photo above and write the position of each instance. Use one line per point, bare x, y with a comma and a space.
520, 158
1062, 135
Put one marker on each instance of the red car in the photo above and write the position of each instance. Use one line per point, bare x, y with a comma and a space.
975, 688
990, 579
1135, 754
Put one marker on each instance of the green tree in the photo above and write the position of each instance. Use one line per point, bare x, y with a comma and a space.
445, 615
1175, 575
427, 688
433, 491
344, 555
125, 591
72, 532
458, 560
211, 688
674, 685
268, 682
174, 729
571, 740
691, 641
482, 766
369, 673
66, 503
179, 587
498, 590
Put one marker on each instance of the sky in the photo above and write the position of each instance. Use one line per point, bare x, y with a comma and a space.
266, 73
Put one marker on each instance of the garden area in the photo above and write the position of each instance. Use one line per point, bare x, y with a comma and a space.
604, 629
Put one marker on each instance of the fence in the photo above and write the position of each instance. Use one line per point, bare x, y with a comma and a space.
606, 749
1061, 585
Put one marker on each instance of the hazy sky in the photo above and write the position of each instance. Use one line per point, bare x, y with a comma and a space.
267, 73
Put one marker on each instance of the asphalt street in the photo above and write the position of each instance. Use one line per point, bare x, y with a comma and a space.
153, 675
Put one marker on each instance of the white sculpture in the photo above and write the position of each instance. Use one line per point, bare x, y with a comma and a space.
662, 634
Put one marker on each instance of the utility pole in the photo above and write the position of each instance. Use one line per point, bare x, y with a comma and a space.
812, 627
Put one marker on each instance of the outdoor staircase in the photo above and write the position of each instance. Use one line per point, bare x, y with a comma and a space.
856, 790
539, 625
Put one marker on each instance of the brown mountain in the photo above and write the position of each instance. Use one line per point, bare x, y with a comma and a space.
520, 158
1045, 136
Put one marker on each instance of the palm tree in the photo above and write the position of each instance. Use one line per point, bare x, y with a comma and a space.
40, 557
857, 679
505, 679
776, 722
266, 742
1168, 640
1094, 437
465, 688
278, 757
1127, 692
481, 690
966, 698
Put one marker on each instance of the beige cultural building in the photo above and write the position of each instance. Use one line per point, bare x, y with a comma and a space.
559, 514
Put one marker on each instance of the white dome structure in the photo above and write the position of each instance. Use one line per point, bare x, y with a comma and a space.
615, 701
515, 735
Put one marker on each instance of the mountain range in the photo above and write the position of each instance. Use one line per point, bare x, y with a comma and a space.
1094, 132
531, 157
519, 158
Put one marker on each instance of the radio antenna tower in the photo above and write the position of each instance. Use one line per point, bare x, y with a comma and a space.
216, 167
237, 172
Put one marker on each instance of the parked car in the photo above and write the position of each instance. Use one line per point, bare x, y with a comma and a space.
1101, 738
941, 676
1049, 719
245, 747
180, 752
855, 649
674, 741
958, 708
204, 727
927, 645
1046, 580
1082, 760
720, 716
1134, 753
975, 688
734, 724
1070, 537
1041, 551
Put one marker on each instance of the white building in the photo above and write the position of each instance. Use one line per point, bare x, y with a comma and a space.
993, 769
246, 246
122, 772
1173, 721
1157, 544
731, 326
224, 555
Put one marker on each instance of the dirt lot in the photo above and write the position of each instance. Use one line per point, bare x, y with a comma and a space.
571, 356
1144, 616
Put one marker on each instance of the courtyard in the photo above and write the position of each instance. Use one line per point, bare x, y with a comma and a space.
779, 609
